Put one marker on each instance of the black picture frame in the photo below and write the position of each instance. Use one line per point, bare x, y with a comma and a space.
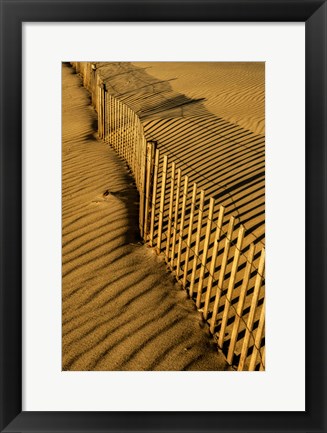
13, 14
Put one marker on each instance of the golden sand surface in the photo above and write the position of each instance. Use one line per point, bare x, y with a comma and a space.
234, 91
209, 119
121, 309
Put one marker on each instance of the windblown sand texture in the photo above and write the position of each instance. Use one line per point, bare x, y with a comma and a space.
234, 91
209, 119
121, 309
225, 159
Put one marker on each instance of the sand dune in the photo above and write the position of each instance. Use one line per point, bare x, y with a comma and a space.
121, 309
188, 110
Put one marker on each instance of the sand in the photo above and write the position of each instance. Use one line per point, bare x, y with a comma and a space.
121, 309
234, 91
208, 119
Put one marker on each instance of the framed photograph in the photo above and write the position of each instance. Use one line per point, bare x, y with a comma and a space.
163, 216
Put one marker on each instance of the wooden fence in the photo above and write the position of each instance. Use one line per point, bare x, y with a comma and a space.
207, 250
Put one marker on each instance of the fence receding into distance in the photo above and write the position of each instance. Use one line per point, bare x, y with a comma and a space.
207, 250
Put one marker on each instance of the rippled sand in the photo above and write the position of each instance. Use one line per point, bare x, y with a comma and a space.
234, 91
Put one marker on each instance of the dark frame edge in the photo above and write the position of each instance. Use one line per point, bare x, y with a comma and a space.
316, 212
10, 219
12, 419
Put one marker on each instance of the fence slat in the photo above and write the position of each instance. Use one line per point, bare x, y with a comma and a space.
128, 156
113, 122
111, 119
127, 141
177, 195
103, 111
263, 360
127, 137
117, 127
189, 236
154, 195
123, 133
114, 116
197, 242
205, 252
141, 215
222, 274
106, 137
162, 201
99, 111
255, 297
171, 208
148, 175
213, 261
137, 159
120, 129
258, 337
132, 142
122, 150
240, 305
231, 285
142, 182
181, 226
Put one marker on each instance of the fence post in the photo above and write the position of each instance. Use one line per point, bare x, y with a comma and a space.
114, 109
263, 359
137, 148
105, 115
197, 242
148, 176
130, 139
121, 151
93, 74
122, 131
162, 201
178, 186
231, 285
107, 121
258, 338
222, 274
104, 111
240, 305
189, 236
255, 297
181, 226
117, 127
205, 252
142, 184
213, 261
100, 111
154, 196
171, 207
124, 124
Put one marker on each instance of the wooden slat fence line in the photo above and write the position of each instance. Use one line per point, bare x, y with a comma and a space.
206, 249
